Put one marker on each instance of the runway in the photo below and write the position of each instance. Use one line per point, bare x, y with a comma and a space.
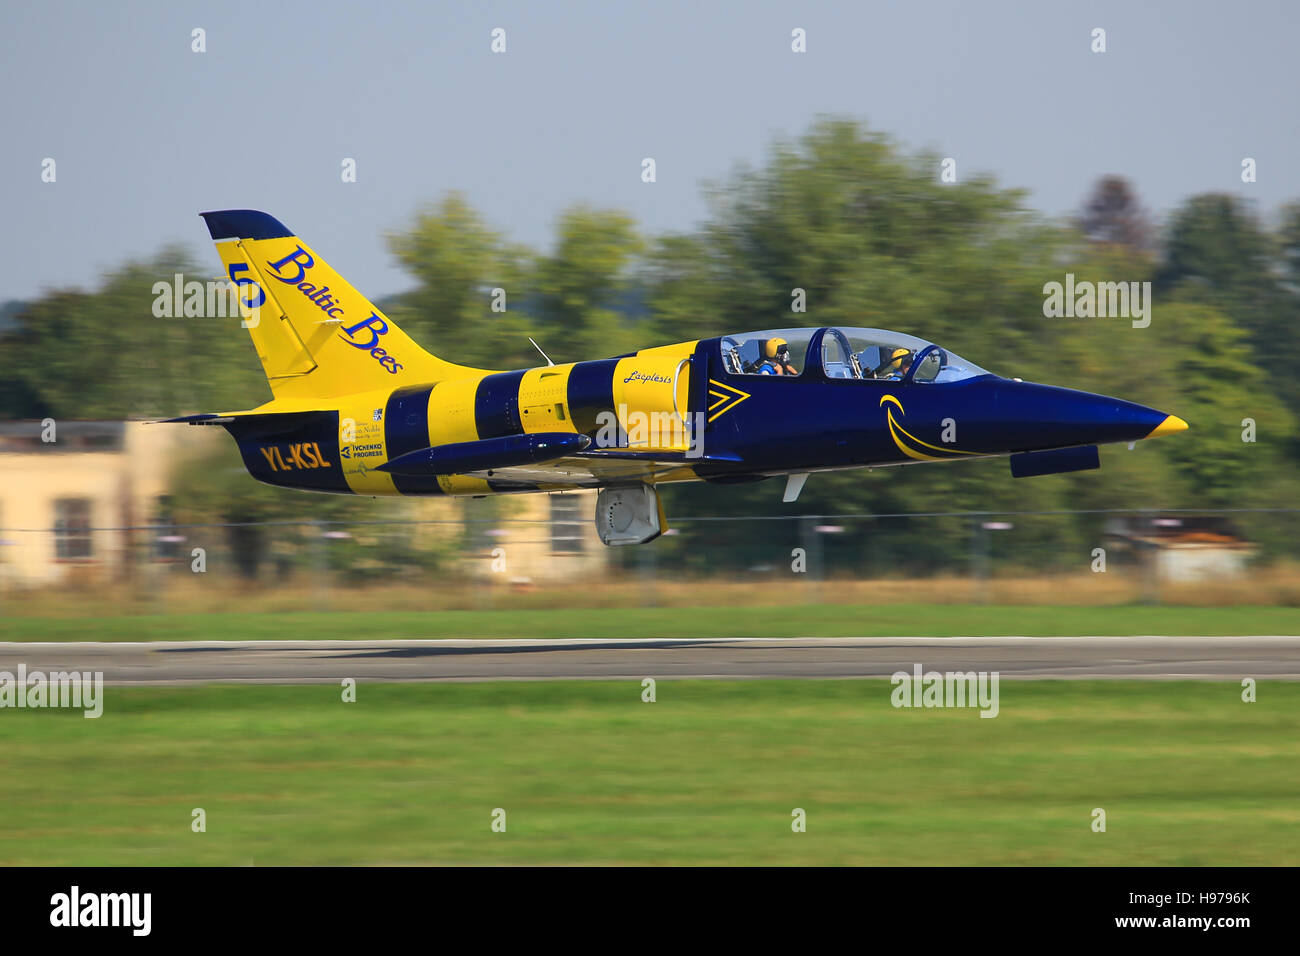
287, 662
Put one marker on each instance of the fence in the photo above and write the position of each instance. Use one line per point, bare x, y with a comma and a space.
1243, 556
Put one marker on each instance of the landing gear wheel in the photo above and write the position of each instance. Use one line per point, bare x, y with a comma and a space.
632, 515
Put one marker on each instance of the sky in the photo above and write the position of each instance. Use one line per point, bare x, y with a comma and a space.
145, 133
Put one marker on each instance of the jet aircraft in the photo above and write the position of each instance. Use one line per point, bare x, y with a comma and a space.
359, 408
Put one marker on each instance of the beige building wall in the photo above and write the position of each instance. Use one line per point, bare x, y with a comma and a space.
121, 469
1186, 563
541, 539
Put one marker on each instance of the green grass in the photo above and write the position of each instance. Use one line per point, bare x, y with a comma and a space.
897, 620
587, 773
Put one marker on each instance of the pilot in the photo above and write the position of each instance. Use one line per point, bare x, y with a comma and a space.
900, 360
776, 359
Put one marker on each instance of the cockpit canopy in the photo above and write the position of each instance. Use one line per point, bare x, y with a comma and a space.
844, 353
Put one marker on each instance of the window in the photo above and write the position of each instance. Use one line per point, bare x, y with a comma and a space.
850, 353
166, 542
72, 528
838, 359
567, 524
889, 356
774, 352
72, 436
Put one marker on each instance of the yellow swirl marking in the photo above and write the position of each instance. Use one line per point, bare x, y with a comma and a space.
896, 429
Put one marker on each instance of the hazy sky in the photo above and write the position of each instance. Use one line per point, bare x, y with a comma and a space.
146, 133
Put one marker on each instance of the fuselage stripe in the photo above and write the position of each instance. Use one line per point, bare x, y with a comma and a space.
590, 392
496, 405
406, 429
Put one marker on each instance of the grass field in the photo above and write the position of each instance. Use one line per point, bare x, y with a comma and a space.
87, 595
838, 620
710, 773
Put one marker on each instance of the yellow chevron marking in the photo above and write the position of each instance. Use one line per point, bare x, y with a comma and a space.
728, 398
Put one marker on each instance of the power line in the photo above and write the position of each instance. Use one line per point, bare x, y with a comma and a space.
676, 519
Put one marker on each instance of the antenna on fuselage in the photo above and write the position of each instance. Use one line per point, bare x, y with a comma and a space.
539, 348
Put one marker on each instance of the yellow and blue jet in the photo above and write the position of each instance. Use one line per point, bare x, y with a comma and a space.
360, 408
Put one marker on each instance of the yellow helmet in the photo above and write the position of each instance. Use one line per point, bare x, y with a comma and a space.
773, 346
897, 358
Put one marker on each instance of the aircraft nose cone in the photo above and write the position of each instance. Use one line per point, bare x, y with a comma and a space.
1059, 417
1171, 424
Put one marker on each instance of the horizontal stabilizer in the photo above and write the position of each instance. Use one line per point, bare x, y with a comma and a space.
225, 418
207, 418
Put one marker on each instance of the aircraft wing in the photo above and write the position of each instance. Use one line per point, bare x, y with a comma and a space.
594, 468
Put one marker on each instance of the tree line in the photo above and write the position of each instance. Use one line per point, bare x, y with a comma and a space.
873, 238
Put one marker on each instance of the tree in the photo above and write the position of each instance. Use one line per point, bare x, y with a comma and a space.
1216, 252
581, 282
458, 262
105, 354
1113, 215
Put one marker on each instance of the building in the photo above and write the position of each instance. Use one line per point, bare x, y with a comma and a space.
87, 501
62, 484
1183, 548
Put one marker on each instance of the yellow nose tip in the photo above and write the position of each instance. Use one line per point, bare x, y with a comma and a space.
1170, 425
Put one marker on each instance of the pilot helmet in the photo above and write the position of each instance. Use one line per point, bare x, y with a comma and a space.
775, 347
900, 359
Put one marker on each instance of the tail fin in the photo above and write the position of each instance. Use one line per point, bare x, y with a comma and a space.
317, 336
